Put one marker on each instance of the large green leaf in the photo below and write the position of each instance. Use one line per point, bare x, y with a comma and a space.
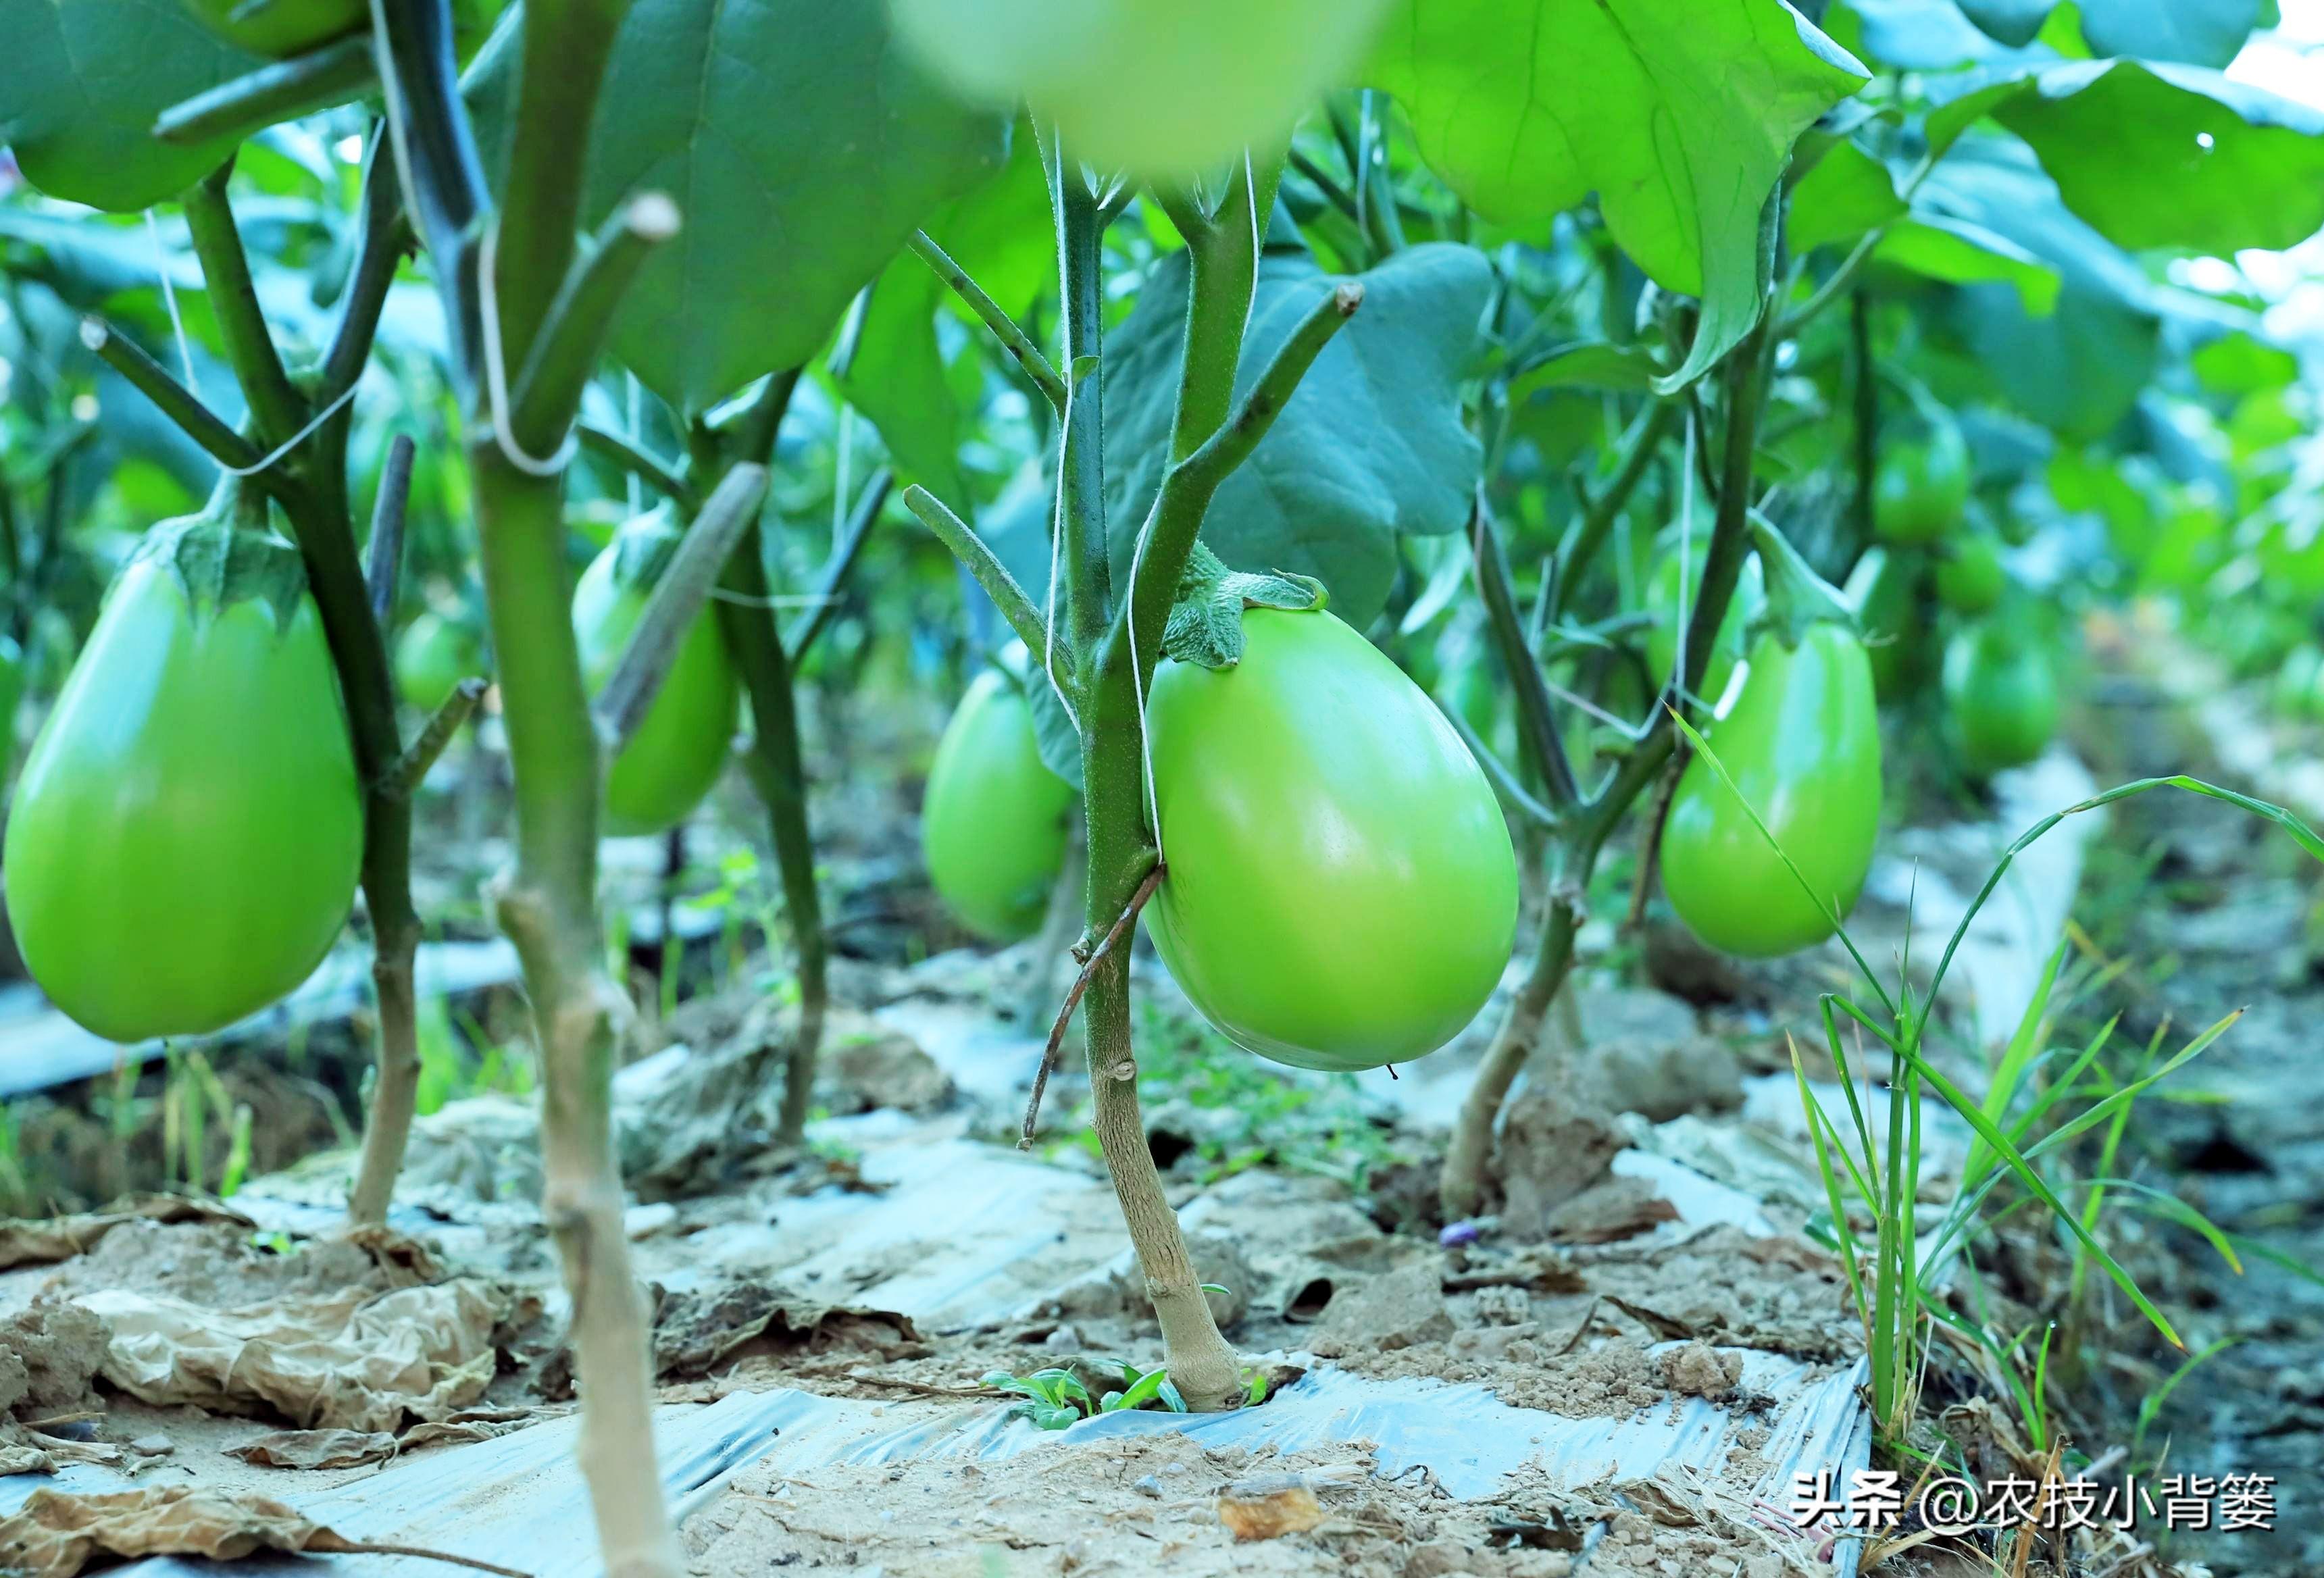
1371, 445
2177, 156
1915, 35
88, 261
999, 234
2198, 32
80, 82
1848, 193
2240, 362
2013, 22
2079, 370
802, 147
895, 376
1964, 253
1589, 365
1679, 114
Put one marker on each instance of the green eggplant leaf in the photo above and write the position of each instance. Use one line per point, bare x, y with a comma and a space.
2157, 155
1371, 444
2015, 23
2077, 370
2239, 362
802, 147
80, 83
897, 375
2194, 33
1847, 194
1591, 364
1678, 114
87, 263
1965, 254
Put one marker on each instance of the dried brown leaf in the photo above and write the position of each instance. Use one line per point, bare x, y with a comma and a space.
55, 1535
316, 1449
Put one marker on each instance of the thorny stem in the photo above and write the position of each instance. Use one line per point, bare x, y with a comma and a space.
775, 761
1080, 469
543, 397
547, 906
1073, 1001
1589, 534
381, 239
1189, 484
311, 483
1535, 716
1005, 328
778, 774
1120, 852
1865, 379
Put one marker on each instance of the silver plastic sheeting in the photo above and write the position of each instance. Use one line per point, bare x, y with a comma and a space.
519, 1500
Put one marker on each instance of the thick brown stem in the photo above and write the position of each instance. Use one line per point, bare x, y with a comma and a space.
577, 1016
1462, 1187
1201, 1362
548, 911
396, 1087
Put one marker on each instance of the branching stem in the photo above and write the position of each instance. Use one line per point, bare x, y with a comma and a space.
1005, 328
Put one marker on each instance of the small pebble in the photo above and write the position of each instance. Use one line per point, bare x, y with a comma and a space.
1453, 1234
1064, 1340
1148, 1485
1173, 1468
153, 1446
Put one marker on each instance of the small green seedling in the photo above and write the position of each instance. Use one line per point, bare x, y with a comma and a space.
1055, 1397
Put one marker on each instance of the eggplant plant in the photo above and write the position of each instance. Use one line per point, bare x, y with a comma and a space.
1313, 337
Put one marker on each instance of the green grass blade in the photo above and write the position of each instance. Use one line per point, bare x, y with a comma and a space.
2036, 1186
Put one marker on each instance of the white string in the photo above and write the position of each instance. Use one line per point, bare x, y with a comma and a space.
487, 285
1056, 180
295, 439
496, 370
169, 301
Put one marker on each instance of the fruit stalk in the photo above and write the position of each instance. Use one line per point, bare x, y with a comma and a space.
548, 906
